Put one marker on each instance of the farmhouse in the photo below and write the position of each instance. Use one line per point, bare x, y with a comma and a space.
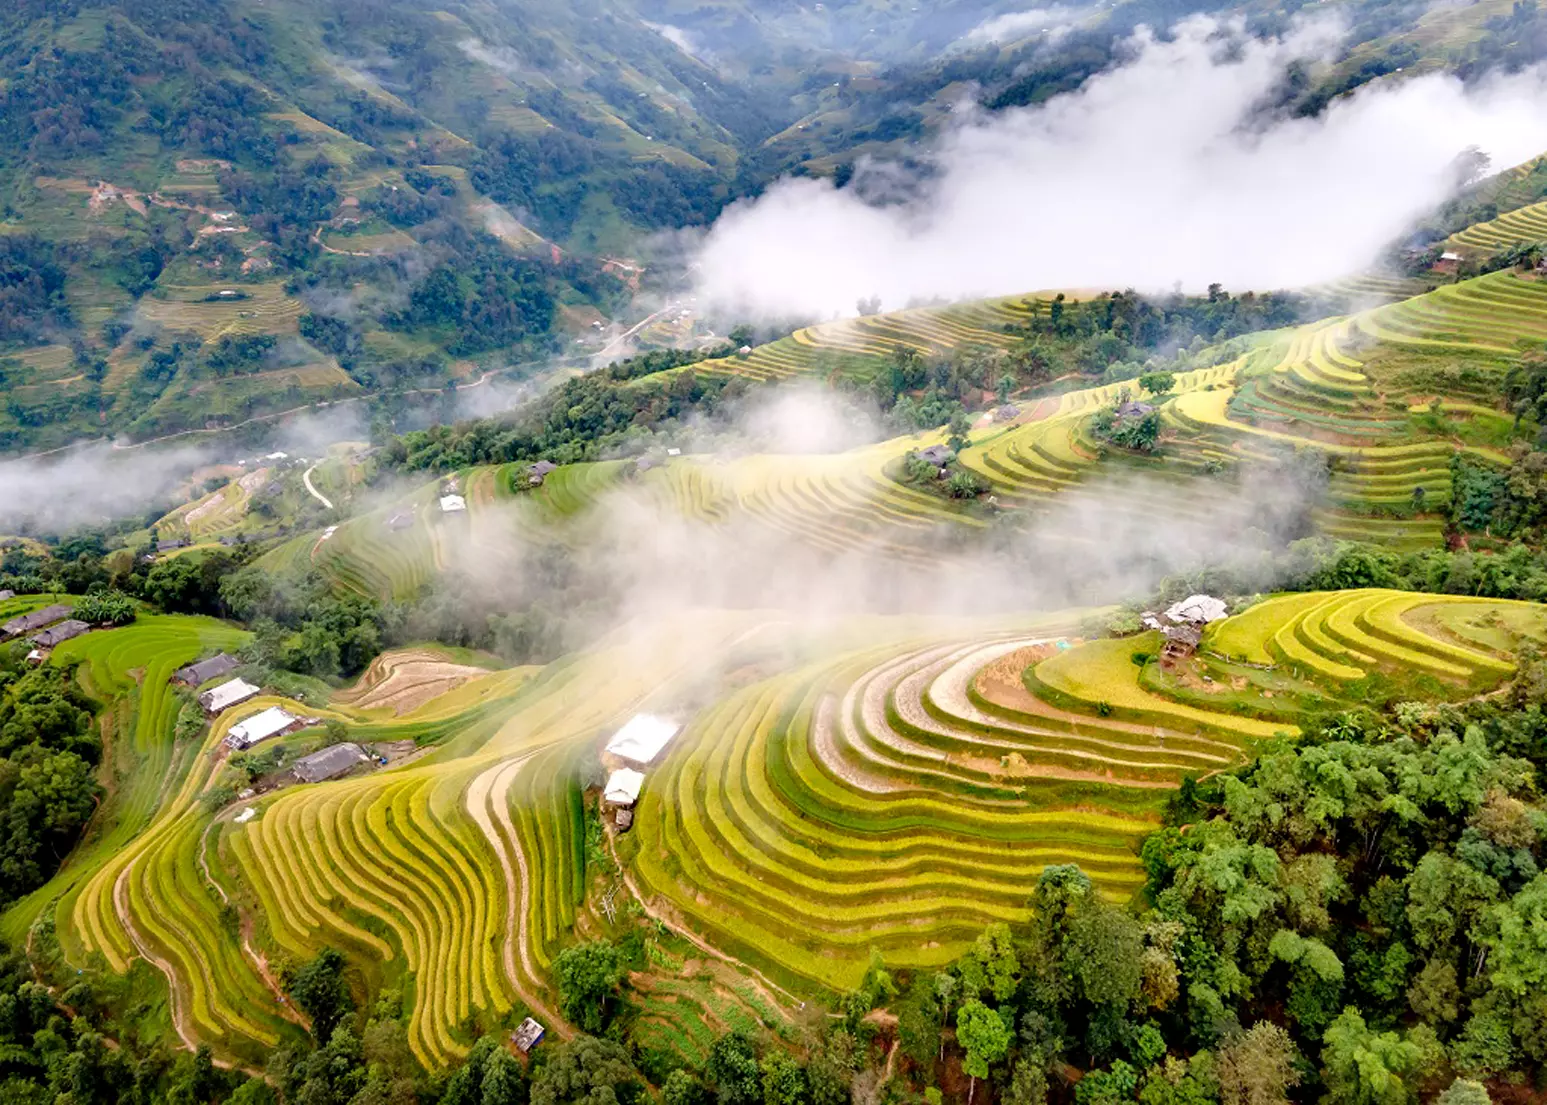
641, 740
7, 595
1129, 409
1007, 413
223, 697
273, 722
35, 620
1181, 642
539, 472
329, 763
60, 633
528, 1034
1197, 610
623, 787
196, 675
452, 504
171, 545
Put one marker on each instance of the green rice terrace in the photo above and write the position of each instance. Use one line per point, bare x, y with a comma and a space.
891, 784
1388, 396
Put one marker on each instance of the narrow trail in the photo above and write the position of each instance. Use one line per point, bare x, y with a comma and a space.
259, 960
655, 913
488, 801
306, 478
608, 349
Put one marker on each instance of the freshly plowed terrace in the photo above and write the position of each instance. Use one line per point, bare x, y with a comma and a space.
897, 794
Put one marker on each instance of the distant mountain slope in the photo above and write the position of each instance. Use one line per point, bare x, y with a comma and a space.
214, 209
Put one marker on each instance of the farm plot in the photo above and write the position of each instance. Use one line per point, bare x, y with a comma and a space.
1522, 226
897, 790
902, 796
204, 310
858, 347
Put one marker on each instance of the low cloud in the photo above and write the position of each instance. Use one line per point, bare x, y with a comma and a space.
1167, 169
684, 41
1051, 23
91, 485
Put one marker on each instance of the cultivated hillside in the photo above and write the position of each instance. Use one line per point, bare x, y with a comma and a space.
897, 789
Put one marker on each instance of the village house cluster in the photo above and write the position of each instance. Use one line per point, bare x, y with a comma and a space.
50, 626
266, 724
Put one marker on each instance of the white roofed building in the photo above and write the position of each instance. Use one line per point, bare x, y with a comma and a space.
641, 740
623, 787
452, 504
1197, 610
223, 697
273, 722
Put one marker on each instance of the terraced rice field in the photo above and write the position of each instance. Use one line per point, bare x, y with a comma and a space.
1522, 226
220, 512
368, 557
897, 790
859, 347
1306, 387
259, 309
902, 797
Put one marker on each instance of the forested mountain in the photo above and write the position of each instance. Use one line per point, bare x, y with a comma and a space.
216, 210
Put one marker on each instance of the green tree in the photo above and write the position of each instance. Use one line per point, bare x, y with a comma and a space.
586, 1071
985, 1038
1520, 941
320, 991
588, 975
732, 1071
1158, 383
957, 430
784, 1083
683, 1088
992, 965
1363, 1067
1464, 1092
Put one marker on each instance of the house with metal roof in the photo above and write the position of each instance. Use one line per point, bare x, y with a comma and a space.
1197, 610
26, 623
266, 725
196, 675
58, 634
623, 787
528, 1034
229, 694
641, 740
329, 763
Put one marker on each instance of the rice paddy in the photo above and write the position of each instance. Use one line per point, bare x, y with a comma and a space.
895, 788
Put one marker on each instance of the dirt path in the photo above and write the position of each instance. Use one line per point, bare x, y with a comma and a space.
259, 960
756, 978
174, 998
306, 478
492, 789
607, 350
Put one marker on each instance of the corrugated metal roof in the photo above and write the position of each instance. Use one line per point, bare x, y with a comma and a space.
642, 739
623, 787
196, 675
325, 764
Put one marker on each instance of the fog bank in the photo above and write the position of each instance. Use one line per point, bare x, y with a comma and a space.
1161, 171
